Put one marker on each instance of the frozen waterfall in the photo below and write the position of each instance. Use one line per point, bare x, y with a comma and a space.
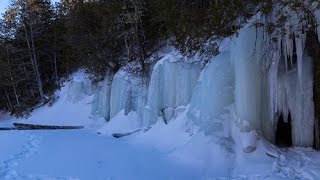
266, 86
171, 87
262, 78
213, 93
101, 100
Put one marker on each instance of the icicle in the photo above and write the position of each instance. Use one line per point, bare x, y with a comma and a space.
128, 104
289, 47
288, 41
285, 54
273, 80
300, 45
171, 86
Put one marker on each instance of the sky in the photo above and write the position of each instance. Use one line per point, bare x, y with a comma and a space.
5, 3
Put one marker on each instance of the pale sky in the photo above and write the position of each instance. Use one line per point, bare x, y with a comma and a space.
3, 5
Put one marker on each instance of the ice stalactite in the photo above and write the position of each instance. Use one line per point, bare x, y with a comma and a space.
101, 100
298, 101
122, 92
252, 96
265, 86
126, 92
171, 86
213, 93
263, 77
118, 97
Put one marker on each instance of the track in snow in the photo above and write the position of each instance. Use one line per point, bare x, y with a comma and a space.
82, 154
7, 167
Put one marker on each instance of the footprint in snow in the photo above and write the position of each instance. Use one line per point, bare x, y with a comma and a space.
7, 167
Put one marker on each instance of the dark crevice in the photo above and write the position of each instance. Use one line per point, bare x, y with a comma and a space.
313, 46
283, 132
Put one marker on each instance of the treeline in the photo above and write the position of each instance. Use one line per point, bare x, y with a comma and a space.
41, 43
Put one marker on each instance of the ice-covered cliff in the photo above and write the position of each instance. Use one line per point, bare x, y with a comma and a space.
263, 80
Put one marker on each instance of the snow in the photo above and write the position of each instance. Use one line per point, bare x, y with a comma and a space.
65, 111
176, 150
121, 123
85, 155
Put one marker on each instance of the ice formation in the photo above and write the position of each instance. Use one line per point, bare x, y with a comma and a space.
266, 86
262, 78
76, 91
122, 92
126, 93
213, 93
171, 87
251, 85
101, 100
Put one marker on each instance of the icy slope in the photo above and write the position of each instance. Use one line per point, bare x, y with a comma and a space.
70, 108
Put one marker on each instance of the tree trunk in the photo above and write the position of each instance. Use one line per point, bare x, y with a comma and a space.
33, 58
9, 105
39, 82
55, 58
12, 81
56, 67
29, 50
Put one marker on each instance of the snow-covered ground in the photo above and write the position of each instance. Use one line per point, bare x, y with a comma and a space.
173, 151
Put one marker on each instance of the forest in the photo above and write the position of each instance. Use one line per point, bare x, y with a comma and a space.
42, 43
